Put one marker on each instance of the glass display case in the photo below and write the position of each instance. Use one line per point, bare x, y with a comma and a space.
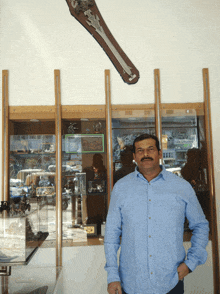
84, 178
184, 150
24, 224
32, 164
20, 236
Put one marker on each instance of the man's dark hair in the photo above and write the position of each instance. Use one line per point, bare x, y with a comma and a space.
144, 137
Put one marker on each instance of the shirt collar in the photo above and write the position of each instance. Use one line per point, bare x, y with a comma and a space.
162, 174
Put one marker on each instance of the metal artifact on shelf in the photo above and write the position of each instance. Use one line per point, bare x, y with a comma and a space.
4, 206
97, 127
91, 230
79, 199
72, 128
20, 206
96, 186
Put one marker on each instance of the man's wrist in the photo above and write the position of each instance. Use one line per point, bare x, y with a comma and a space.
189, 269
191, 266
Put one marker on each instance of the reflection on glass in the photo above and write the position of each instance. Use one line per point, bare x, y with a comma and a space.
32, 189
179, 133
184, 150
126, 126
85, 178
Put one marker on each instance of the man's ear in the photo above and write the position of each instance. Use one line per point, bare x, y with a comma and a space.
134, 156
160, 154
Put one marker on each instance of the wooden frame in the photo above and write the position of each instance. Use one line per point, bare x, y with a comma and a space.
125, 110
211, 181
157, 105
5, 138
83, 111
109, 134
197, 106
128, 107
31, 112
58, 132
48, 112
5, 159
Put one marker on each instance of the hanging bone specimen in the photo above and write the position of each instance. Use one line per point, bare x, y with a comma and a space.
87, 13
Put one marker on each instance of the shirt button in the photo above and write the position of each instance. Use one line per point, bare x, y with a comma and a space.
150, 236
149, 217
149, 199
151, 273
150, 255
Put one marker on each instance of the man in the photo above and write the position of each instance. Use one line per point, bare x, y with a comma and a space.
148, 209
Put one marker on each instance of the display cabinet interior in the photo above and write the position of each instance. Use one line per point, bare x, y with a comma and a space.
184, 150
127, 124
31, 189
32, 166
84, 178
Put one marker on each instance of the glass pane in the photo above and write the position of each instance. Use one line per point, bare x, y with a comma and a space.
184, 150
31, 280
126, 126
84, 179
32, 184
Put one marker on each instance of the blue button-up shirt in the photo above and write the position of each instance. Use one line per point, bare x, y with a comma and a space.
149, 217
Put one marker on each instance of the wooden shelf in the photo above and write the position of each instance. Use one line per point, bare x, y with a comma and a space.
91, 241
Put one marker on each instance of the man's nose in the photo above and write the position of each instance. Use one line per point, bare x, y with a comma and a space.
145, 152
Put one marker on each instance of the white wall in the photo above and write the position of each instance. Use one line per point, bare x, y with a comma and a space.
179, 37
83, 271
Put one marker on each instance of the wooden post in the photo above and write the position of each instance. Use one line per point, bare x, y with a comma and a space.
58, 132
211, 180
158, 122
109, 133
5, 138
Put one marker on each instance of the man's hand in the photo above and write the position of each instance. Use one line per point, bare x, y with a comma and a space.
114, 287
182, 270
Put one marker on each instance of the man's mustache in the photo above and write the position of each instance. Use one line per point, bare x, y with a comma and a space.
142, 159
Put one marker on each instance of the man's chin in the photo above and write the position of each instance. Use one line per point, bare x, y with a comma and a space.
146, 164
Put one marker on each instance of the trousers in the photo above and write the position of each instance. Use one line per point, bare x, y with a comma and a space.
178, 289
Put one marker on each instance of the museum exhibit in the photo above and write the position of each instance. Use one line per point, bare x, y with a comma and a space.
80, 81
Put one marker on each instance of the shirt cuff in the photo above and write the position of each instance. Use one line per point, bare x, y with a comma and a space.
189, 267
111, 279
189, 270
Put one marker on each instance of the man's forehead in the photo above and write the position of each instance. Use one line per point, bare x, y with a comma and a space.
146, 143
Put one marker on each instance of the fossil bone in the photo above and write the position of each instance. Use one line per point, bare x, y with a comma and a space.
94, 21
87, 13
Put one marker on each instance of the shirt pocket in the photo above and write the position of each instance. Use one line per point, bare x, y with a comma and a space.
170, 210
